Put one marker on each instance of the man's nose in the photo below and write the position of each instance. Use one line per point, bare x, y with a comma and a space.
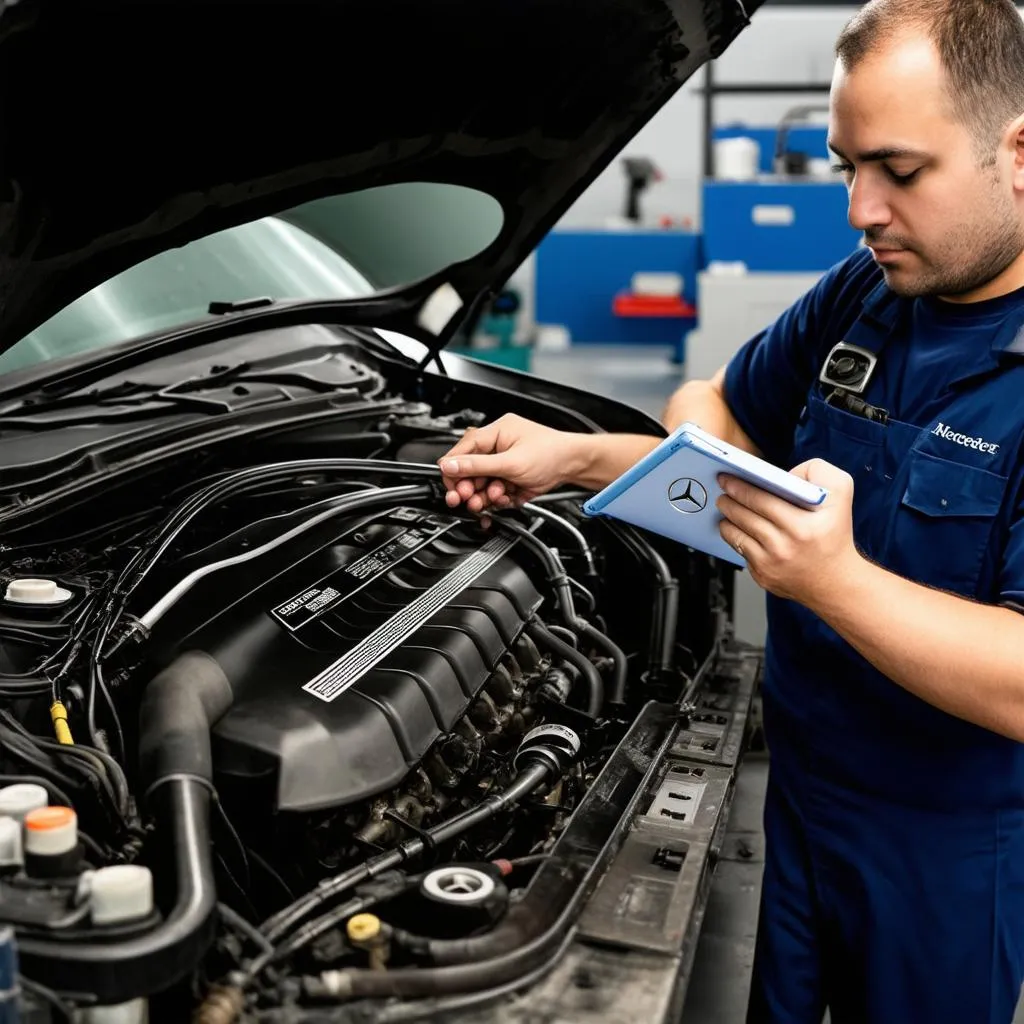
868, 208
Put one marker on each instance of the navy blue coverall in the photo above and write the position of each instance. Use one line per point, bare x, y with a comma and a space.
894, 876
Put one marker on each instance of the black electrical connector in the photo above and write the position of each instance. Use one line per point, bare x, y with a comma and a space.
856, 406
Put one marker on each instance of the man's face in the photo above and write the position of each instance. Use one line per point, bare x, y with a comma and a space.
940, 216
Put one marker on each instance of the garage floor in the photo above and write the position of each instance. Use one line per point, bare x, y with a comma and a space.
645, 377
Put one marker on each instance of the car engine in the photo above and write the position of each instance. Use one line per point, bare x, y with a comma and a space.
288, 732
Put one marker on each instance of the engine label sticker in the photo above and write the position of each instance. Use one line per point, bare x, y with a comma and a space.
347, 580
334, 680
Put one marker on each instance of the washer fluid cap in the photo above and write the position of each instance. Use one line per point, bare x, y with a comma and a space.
18, 800
10, 842
37, 592
51, 831
121, 893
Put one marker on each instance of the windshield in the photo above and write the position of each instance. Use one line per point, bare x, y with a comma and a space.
342, 247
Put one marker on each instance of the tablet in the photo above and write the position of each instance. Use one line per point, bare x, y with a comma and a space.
674, 489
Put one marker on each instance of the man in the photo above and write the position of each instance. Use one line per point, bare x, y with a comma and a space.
894, 679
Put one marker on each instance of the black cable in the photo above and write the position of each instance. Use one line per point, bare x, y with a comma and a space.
665, 619
56, 794
47, 995
239, 888
284, 920
236, 839
564, 634
84, 760
320, 925
617, 693
93, 847
528, 860
16, 689
112, 707
438, 1009
558, 648
83, 757
109, 773
268, 869
14, 745
235, 920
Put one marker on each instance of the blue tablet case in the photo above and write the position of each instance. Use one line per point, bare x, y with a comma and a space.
673, 491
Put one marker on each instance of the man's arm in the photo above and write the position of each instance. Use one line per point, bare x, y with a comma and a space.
962, 657
704, 402
513, 459
759, 394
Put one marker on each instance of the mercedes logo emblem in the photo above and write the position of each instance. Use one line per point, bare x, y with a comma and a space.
687, 495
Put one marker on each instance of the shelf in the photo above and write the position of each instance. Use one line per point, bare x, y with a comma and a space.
627, 304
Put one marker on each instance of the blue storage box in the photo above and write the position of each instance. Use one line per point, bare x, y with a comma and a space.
580, 272
777, 224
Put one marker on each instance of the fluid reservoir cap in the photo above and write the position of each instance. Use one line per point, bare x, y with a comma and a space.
50, 831
18, 800
121, 893
37, 592
456, 884
10, 842
363, 928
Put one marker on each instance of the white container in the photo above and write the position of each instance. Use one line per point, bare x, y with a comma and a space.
737, 159
121, 892
660, 284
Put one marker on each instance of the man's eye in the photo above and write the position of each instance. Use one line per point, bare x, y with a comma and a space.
842, 168
902, 179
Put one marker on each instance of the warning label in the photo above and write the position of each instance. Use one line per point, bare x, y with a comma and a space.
388, 554
306, 606
344, 582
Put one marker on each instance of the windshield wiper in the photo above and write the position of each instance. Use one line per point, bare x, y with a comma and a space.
132, 397
390, 311
239, 305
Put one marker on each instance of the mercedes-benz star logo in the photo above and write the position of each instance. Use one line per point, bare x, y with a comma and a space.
687, 495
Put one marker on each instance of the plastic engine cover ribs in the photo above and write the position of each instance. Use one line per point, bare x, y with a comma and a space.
350, 664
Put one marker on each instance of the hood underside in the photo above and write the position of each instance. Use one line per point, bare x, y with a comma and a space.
127, 129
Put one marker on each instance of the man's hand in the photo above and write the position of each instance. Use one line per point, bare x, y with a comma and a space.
957, 654
508, 462
792, 552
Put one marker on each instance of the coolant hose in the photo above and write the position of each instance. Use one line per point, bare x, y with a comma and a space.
618, 656
178, 709
558, 578
547, 641
532, 777
665, 620
535, 927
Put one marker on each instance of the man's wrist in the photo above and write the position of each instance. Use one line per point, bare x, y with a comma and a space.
582, 457
850, 585
594, 460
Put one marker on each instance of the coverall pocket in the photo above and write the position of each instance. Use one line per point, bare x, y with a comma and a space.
838, 437
944, 523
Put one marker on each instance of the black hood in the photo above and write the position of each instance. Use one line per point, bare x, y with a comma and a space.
130, 128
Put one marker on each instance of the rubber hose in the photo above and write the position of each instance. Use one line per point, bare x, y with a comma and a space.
618, 656
546, 640
179, 707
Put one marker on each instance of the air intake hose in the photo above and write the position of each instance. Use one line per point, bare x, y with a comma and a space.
178, 709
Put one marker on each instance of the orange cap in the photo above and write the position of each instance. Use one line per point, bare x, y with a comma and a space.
43, 819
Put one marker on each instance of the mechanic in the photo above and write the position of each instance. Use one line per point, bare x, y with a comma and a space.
894, 672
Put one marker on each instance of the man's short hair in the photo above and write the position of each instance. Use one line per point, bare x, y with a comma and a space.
980, 44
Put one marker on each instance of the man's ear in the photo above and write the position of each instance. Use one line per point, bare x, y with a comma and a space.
1015, 142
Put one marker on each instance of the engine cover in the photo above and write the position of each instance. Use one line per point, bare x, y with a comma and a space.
350, 664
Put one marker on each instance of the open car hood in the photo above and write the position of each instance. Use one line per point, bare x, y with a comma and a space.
127, 129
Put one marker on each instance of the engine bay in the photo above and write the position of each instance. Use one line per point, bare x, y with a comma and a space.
285, 738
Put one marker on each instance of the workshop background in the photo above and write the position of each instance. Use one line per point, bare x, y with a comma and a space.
718, 215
